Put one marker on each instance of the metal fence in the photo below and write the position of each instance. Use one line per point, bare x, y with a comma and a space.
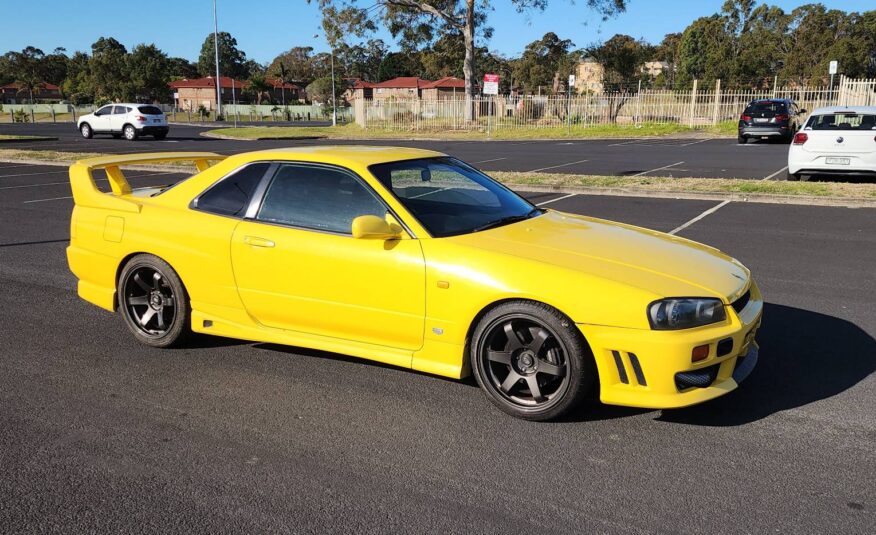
696, 108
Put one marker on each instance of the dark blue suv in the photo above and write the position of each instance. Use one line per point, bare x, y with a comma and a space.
770, 119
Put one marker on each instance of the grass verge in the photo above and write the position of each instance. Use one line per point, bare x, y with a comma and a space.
640, 185
11, 137
352, 131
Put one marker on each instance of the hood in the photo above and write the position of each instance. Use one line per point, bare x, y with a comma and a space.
664, 265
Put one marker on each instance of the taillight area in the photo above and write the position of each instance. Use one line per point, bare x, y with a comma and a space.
800, 138
745, 118
782, 117
140, 118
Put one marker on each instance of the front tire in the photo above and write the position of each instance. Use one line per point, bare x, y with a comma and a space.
531, 361
129, 132
153, 302
86, 131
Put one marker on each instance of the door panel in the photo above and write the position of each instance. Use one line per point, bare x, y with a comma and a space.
118, 117
369, 291
101, 123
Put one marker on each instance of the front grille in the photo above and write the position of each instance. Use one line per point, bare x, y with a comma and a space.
697, 378
740, 303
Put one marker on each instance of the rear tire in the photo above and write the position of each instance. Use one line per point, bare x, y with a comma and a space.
793, 177
153, 302
531, 361
129, 132
741, 140
86, 131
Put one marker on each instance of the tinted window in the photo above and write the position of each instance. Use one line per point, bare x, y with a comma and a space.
449, 197
232, 194
842, 121
150, 110
106, 110
771, 107
319, 198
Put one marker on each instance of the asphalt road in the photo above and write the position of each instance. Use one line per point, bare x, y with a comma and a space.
709, 158
100, 434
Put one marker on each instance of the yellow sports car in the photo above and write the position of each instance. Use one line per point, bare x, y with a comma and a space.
413, 258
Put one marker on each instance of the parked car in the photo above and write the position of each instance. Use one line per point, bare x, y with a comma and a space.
835, 140
770, 119
128, 120
413, 258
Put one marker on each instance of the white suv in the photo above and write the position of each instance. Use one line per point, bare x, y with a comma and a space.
835, 140
128, 120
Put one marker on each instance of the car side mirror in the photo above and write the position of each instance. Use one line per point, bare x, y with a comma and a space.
371, 227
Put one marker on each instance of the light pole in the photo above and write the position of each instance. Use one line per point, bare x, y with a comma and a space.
334, 104
216, 49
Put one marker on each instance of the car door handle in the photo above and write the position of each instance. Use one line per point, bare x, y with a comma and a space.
257, 242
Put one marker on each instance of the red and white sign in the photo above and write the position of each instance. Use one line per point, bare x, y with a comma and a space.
491, 84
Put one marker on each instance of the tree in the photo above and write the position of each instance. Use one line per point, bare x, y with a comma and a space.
232, 61
320, 90
26, 68
108, 70
149, 72
622, 57
179, 68
412, 19
281, 74
361, 61
296, 60
704, 52
397, 64
259, 87
541, 61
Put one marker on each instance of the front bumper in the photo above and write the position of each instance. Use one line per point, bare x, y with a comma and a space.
653, 369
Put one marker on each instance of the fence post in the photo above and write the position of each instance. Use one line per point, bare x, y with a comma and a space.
53, 113
693, 102
775, 84
638, 104
715, 110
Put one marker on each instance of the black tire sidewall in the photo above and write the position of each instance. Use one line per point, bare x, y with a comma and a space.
179, 328
579, 361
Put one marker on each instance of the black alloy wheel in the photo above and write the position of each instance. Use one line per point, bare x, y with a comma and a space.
153, 301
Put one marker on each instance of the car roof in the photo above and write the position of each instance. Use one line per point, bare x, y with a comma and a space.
782, 100
833, 109
342, 154
128, 104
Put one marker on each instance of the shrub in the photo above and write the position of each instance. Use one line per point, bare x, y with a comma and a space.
20, 116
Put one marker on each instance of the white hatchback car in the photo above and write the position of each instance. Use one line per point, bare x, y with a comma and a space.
128, 120
835, 140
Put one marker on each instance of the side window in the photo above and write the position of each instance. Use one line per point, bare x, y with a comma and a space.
319, 198
106, 110
231, 195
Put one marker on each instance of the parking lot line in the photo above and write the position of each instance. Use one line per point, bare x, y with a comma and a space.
35, 174
693, 143
768, 177
493, 160
96, 180
44, 200
557, 199
658, 169
708, 212
554, 166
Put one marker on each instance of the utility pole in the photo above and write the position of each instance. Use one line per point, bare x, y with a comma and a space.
216, 48
334, 93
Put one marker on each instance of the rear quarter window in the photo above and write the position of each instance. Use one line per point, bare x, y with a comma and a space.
231, 195
150, 110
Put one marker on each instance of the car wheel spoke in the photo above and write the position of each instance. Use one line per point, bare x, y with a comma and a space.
147, 316
502, 357
141, 283
138, 300
551, 369
510, 381
514, 341
539, 337
534, 389
160, 317
167, 302
156, 281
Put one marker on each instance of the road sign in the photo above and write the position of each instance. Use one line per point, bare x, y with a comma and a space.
491, 84
571, 80
834, 66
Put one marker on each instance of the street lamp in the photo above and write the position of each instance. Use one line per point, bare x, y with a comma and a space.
216, 49
334, 104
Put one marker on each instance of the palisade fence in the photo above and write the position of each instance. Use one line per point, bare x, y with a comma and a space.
695, 108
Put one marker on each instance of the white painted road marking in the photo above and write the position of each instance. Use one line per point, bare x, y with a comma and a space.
557, 199
35, 174
96, 180
658, 169
774, 174
44, 200
554, 166
486, 161
708, 212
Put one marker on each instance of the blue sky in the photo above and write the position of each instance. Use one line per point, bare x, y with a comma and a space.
264, 28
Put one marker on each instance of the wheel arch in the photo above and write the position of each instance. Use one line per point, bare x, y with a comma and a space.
126, 259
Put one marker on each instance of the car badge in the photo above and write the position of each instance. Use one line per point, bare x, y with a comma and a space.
839, 139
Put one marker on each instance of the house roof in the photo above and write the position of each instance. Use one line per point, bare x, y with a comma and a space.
448, 82
402, 82
224, 81
276, 84
358, 83
42, 85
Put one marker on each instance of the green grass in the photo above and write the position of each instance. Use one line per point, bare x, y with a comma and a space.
5, 137
352, 131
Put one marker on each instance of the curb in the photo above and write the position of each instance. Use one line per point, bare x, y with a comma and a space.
847, 202
30, 140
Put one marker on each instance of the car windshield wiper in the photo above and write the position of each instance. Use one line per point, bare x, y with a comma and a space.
508, 220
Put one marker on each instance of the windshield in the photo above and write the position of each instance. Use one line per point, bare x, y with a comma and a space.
448, 197
842, 121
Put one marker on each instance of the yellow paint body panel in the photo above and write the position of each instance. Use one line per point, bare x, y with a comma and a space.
410, 302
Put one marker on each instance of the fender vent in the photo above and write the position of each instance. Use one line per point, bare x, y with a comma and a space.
621, 364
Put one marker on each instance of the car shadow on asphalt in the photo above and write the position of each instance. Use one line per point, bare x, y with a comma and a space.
805, 357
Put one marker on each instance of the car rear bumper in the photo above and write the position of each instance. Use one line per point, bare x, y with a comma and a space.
803, 162
653, 369
765, 131
152, 130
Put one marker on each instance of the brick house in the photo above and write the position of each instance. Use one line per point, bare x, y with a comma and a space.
401, 88
14, 94
293, 91
589, 77
190, 94
358, 88
447, 88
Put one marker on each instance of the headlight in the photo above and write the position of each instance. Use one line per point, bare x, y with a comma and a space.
684, 313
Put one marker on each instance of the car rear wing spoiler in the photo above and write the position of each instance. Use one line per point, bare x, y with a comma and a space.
85, 192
